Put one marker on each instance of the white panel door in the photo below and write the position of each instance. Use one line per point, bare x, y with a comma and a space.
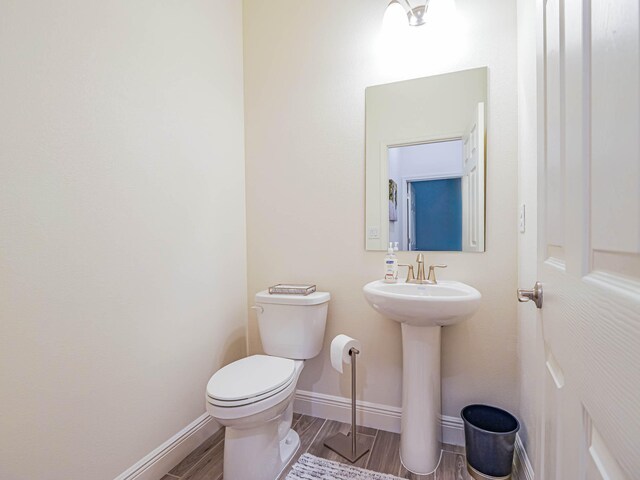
411, 217
589, 237
473, 183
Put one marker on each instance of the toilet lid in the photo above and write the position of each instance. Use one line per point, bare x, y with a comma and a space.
250, 377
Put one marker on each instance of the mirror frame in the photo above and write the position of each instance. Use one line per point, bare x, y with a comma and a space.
377, 226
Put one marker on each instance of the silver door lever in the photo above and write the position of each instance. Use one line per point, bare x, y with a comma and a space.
535, 295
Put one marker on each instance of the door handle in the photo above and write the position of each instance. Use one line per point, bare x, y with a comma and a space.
535, 295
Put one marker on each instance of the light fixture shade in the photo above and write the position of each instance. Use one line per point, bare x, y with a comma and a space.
415, 15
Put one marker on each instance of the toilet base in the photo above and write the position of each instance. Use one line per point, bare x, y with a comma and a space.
258, 454
288, 448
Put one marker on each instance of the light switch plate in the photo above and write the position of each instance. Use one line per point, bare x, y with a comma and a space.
373, 233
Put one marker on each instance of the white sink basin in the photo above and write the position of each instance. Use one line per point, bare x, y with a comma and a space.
443, 304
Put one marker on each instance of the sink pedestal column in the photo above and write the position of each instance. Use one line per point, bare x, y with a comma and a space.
420, 437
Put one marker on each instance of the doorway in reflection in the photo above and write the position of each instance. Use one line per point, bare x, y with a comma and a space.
425, 195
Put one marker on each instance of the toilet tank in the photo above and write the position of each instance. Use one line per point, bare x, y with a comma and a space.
292, 326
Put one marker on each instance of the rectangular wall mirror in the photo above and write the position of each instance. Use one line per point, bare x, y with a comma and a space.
425, 163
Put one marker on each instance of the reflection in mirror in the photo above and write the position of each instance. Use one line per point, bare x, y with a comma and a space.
425, 163
426, 181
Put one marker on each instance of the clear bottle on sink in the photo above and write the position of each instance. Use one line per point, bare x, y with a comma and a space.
390, 266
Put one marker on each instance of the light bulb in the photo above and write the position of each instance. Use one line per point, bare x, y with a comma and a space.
395, 18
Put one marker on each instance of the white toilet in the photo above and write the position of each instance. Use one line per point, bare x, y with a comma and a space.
253, 397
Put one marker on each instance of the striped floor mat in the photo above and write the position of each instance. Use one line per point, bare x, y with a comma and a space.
310, 467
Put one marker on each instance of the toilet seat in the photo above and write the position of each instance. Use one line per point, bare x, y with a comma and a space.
249, 406
250, 380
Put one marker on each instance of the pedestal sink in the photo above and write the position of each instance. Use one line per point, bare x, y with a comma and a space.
421, 310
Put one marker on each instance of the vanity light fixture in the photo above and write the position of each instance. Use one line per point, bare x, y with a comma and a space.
416, 14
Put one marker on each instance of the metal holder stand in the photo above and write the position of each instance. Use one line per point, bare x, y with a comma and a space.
355, 447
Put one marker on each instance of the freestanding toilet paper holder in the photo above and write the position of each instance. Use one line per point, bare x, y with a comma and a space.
355, 447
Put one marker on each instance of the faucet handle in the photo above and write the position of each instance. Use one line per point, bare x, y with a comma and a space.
420, 258
432, 273
410, 274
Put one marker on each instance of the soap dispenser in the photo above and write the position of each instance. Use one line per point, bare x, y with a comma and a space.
390, 265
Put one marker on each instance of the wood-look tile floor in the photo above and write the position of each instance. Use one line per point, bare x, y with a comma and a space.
205, 462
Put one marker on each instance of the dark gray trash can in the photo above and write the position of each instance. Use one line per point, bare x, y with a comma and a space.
490, 435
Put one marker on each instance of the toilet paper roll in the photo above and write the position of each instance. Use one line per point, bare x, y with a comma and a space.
340, 347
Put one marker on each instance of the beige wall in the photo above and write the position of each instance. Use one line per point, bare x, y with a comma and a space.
306, 68
122, 244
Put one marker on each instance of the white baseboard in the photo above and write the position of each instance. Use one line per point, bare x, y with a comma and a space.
522, 469
374, 415
452, 430
385, 417
157, 463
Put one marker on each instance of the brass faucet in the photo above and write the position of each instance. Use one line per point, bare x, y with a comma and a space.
430, 279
